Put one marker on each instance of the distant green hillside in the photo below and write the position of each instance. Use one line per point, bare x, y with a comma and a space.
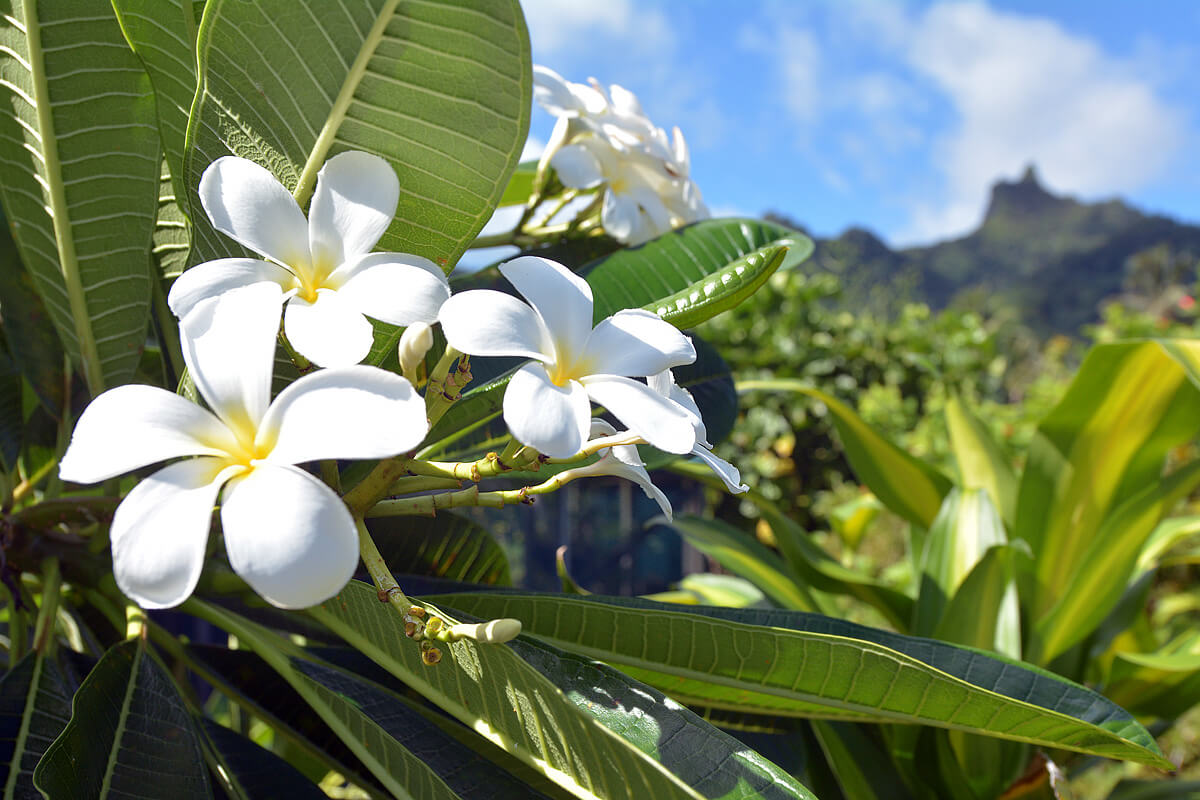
1052, 258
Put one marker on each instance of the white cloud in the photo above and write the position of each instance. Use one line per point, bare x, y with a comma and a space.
560, 26
1024, 91
798, 57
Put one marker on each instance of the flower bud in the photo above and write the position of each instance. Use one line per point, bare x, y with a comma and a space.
414, 344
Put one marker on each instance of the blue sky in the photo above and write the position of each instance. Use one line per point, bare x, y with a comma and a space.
898, 116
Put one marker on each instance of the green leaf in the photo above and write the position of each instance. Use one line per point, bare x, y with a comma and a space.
981, 463
732, 658
247, 680
129, 735
1128, 406
35, 706
172, 241
520, 185
696, 272
1160, 547
327, 690
79, 144
713, 763
163, 35
496, 689
32, 339
984, 611
857, 762
1105, 568
715, 590
442, 91
249, 771
965, 528
469, 418
447, 546
906, 485
744, 556
1163, 684
815, 566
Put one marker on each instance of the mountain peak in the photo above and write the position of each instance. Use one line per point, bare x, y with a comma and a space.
1022, 200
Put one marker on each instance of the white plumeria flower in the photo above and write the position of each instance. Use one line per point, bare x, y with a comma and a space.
287, 534
664, 383
604, 139
547, 403
623, 461
331, 280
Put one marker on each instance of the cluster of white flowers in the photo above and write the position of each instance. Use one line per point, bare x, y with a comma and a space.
286, 533
603, 138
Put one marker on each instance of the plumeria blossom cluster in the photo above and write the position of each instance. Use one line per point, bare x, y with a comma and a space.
288, 534
603, 139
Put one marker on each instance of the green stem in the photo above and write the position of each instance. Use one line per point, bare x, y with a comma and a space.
331, 476
382, 576
421, 483
29, 484
43, 637
430, 504
302, 363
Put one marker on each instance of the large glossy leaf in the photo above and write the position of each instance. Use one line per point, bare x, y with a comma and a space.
446, 546
129, 736
80, 151
593, 746
694, 273
981, 463
1130, 403
801, 664
440, 90
247, 680
329, 693
35, 706
966, 527
906, 485
743, 555
1109, 562
248, 771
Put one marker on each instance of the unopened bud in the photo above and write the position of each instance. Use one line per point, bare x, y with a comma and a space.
414, 344
498, 631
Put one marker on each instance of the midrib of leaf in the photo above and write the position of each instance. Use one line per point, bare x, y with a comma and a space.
115, 748
14, 769
89, 353
337, 114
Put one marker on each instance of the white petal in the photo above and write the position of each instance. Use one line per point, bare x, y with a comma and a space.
662, 423
229, 347
347, 412
563, 98
560, 297
483, 322
330, 332
131, 426
623, 220
246, 202
160, 532
636, 342
624, 101
679, 152
396, 288
638, 475
577, 167
352, 206
664, 383
554, 420
655, 211
213, 278
288, 536
725, 471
